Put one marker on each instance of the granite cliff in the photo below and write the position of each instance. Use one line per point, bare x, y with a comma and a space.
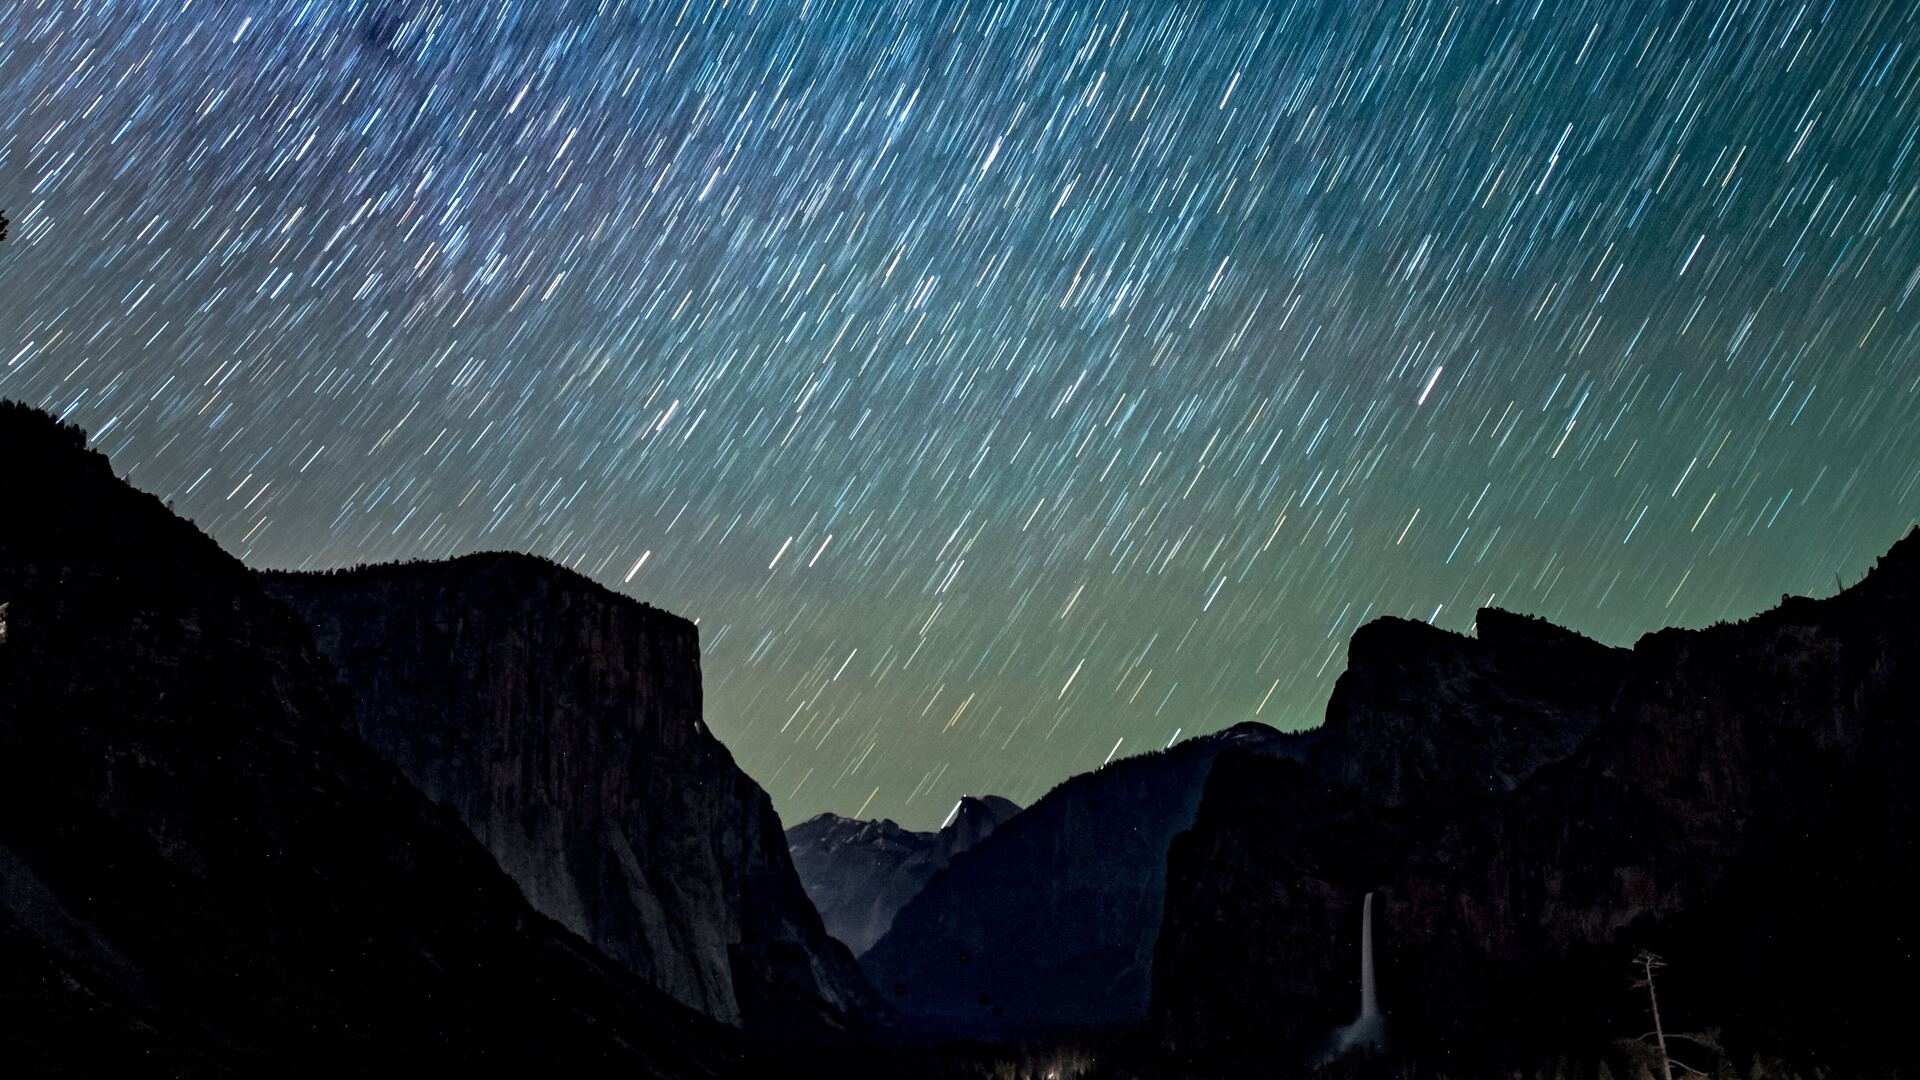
1740, 799
562, 722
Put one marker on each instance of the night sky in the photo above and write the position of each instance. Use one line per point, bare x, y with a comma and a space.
1002, 385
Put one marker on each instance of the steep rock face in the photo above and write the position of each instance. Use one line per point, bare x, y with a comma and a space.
204, 871
1425, 714
561, 722
1050, 922
1744, 805
861, 873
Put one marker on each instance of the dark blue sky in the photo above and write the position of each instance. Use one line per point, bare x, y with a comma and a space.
1001, 385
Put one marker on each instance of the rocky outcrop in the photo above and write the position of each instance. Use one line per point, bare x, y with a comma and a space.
562, 722
859, 874
204, 871
1742, 801
1423, 714
1049, 923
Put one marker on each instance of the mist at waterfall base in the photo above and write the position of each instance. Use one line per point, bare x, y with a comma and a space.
1368, 1032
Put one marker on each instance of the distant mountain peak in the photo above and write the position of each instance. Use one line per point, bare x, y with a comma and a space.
860, 873
977, 807
1247, 730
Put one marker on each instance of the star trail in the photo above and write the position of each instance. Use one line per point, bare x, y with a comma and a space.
1003, 386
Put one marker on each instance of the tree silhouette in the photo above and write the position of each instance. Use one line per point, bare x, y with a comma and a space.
1646, 963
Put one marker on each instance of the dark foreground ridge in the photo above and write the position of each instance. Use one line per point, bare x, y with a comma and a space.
204, 871
465, 815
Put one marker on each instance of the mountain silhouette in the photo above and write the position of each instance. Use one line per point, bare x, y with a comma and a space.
562, 722
203, 869
1740, 799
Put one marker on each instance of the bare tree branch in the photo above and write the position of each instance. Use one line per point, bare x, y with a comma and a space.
1648, 963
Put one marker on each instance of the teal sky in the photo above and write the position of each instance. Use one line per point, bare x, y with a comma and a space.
1001, 386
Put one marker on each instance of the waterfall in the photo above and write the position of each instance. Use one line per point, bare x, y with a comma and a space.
1369, 1005
1368, 1030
